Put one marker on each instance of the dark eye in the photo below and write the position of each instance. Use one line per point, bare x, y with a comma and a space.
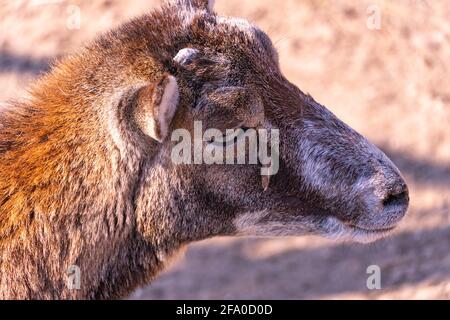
228, 139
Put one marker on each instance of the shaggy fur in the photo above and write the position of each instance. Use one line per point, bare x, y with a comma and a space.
86, 177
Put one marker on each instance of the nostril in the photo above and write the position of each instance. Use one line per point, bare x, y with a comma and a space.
398, 198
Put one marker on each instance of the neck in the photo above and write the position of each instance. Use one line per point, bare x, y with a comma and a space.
67, 204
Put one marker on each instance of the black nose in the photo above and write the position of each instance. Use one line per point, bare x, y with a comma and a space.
397, 195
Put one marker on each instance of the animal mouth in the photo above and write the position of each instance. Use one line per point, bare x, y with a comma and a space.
365, 234
372, 230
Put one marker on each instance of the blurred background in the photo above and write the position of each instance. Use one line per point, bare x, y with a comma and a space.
382, 66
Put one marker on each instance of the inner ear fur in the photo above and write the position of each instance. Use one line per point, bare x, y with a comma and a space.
155, 106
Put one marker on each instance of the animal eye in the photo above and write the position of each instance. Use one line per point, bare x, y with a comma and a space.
228, 138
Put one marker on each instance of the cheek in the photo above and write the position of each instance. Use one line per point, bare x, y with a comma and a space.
238, 183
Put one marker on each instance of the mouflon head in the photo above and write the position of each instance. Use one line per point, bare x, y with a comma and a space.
319, 175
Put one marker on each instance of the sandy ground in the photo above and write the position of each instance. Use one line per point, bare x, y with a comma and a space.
391, 84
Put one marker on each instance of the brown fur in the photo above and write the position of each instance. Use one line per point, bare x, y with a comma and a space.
82, 184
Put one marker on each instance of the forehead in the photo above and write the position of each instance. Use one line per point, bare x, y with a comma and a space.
243, 42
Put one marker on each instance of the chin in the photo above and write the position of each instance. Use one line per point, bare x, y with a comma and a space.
337, 230
331, 228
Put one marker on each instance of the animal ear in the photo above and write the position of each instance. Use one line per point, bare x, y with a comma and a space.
155, 107
198, 4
